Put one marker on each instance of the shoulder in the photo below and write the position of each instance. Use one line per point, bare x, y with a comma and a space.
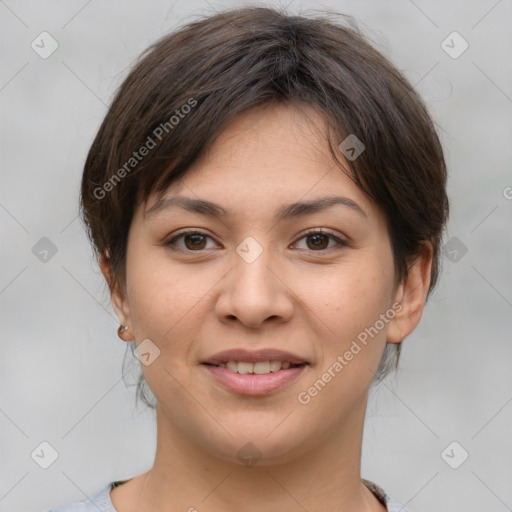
391, 503
98, 502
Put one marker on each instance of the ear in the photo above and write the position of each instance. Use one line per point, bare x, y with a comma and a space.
412, 295
117, 292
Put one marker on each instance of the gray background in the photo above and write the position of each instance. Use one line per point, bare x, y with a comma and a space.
60, 358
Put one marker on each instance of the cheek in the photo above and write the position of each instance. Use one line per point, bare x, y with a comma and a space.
164, 298
355, 293
351, 304
151, 296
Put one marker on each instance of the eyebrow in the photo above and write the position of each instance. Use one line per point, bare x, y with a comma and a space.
211, 209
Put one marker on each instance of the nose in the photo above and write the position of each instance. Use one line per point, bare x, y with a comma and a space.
255, 293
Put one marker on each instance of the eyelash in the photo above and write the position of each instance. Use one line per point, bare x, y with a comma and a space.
318, 231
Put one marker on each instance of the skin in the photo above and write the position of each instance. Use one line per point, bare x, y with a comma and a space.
204, 298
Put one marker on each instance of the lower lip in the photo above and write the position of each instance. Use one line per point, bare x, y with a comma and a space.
252, 384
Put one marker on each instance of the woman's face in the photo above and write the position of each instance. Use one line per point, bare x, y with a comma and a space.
257, 278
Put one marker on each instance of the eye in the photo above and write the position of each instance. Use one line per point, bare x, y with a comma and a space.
320, 238
193, 240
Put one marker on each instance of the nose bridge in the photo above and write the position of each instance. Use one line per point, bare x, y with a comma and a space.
251, 265
253, 278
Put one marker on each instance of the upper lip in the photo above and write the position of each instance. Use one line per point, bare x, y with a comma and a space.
254, 356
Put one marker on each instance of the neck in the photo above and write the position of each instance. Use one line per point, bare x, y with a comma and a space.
326, 476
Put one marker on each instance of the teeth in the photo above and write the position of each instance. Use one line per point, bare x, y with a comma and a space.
259, 368
262, 367
244, 368
275, 366
231, 365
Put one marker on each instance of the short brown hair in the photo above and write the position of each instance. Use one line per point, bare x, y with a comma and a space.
222, 65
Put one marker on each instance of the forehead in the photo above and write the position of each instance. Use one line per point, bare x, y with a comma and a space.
272, 154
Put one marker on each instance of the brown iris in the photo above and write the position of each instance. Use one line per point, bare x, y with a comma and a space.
195, 238
317, 237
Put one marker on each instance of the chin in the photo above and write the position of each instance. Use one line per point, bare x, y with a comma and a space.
257, 446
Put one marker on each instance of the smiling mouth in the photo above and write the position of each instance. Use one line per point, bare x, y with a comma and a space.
259, 368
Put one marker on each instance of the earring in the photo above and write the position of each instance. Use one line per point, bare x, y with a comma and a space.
121, 332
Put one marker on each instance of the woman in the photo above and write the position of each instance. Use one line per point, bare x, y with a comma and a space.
266, 198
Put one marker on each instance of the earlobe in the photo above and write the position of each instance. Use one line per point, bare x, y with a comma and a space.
412, 296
